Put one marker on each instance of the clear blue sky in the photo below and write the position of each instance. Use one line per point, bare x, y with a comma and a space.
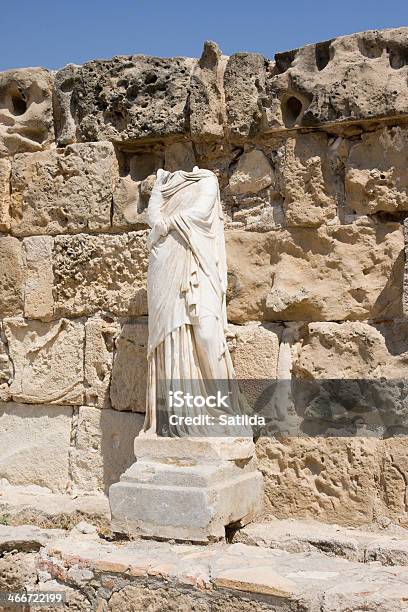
53, 33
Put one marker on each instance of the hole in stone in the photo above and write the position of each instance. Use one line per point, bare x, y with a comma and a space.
19, 105
283, 61
369, 48
67, 85
291, 109
150, 77
398, 57
323, 54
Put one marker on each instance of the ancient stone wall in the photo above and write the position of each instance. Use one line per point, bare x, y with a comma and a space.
310, 149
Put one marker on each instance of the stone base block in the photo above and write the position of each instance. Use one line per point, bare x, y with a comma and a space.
184, 499
218, 448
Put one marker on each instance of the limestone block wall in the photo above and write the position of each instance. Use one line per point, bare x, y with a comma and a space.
310, 149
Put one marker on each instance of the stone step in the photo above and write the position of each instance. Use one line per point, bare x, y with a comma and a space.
389, 547
144, 574
36, 506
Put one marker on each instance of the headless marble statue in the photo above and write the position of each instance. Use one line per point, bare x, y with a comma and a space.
187, 281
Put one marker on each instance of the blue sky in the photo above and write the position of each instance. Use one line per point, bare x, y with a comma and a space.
52, 33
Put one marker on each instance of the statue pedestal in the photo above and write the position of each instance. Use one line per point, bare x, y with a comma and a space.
187, 489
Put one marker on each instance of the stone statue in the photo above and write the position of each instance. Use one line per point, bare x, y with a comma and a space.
187, 282
189, 481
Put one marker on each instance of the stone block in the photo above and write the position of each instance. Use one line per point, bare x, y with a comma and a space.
39, 278
103, 447
349, 78
5, 367
26, 122
35, 443
5, 173
129, 374
244, 86
131, 97
327, 479
186, 500
47, 360
65, 128
252, 173
307, 181
207, 112
327, 273
376, 178
100, 273
100, 336
63, 190
255, 350
11, 276
220, 448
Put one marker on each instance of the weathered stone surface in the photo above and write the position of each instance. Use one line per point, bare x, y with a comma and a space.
252, 173
64, 190
207, 112
405, 277
131, 97
17, 572
371, 359
306, 181
11, 276
39, 278
100, 334
5, 368
350, 78
106, 273
330, 273
155, 575
393, 483
26, 538
244, 86
255, 350
65, 128
376, 177
35, 444
129, 374
26, 122
179, 156
47, 360
353, 350
103, 447
295, 535
36, 505
328, 479
5, 172
132, 193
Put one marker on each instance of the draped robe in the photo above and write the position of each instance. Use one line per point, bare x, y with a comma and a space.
187, 281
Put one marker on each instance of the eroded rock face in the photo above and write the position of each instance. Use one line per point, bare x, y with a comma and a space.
11, 276
350, 78
5, 171
331, 273
106, 273
47, 360
376, 175
127, 98
26, 122
244, 86
327, 479
68, 190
